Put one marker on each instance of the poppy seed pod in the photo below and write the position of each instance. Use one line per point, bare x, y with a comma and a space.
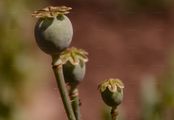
74, 65
74, 73
112, 92
53, 30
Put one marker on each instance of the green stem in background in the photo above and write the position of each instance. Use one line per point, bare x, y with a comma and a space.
62, 89
74, 96
114, 113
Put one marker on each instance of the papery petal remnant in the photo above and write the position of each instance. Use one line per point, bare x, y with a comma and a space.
51, 11
111, 84
74, 56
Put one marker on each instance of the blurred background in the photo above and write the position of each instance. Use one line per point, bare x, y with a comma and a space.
132, 40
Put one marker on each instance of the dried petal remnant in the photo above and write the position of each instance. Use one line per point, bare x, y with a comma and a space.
74, 56
111, 84
51, 11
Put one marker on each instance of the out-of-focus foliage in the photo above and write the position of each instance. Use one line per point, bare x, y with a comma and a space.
158, 99
13, 55
150, 100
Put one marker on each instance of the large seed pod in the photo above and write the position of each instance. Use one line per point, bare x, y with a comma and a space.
112, 92
53, 31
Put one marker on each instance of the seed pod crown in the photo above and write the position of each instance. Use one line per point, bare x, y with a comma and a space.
111, 84
73, 55
51, 11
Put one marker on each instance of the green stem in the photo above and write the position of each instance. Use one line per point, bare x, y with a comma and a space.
63, 91
75, 102
114, 113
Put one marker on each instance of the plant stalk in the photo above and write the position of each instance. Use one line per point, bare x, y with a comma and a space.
63, 91
114, 113
74, 96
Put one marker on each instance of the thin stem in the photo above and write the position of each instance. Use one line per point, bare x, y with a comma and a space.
75, 102
114, 113
63, 91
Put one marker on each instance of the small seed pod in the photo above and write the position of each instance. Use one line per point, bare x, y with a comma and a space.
74, 73
53, 30
112, 92
74, 65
